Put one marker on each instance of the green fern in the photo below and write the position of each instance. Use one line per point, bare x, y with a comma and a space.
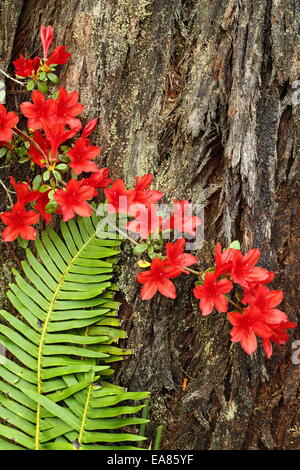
55, 394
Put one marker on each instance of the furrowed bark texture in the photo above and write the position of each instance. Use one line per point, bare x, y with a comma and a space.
203, 94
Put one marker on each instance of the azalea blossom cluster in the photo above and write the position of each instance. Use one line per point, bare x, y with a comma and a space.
38, 71
52, 122
256, 313
68, 179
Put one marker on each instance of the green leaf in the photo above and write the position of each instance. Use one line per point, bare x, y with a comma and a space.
235, 244
140, 248
36, 182
30, 85
151, 252
110, 437
57, 175
8, 155
3, 151
53, 78
46, 175
21, 242
64, 158
65, 415
44, 188
42, 76
62, 167
51, 207
18, 436
42, 87
23, 160
5, 445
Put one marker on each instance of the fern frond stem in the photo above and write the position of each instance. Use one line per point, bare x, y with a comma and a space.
41, 344
145, 415
158, 437
39, 365
86, 407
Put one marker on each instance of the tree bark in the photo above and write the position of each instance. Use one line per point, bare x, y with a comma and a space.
203, 94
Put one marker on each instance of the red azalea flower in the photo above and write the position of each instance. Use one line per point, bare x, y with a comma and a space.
249, 292
59, 56
89, 128
39, 111
266, 300
158, 279
26, 67
41, 204
177, 258
144, 195
279, 336
68, 107
245, 328
8, 120
57, 134
211, 294
223, 260
81, 156
24, 193
118, 197
73, 200
46, 34
36, 155
84, 182
146, 221
19, 222
181, 219
243, 270
143, 182
98, 179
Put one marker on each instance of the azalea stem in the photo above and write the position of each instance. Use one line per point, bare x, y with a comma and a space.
11, 78
20, 133
233, 303
112, 225
198, 273
122, 233
15, 92
7, 192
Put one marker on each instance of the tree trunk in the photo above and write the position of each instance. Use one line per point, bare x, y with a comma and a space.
203, 94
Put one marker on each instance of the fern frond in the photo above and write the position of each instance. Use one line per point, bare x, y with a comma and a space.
52, 395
